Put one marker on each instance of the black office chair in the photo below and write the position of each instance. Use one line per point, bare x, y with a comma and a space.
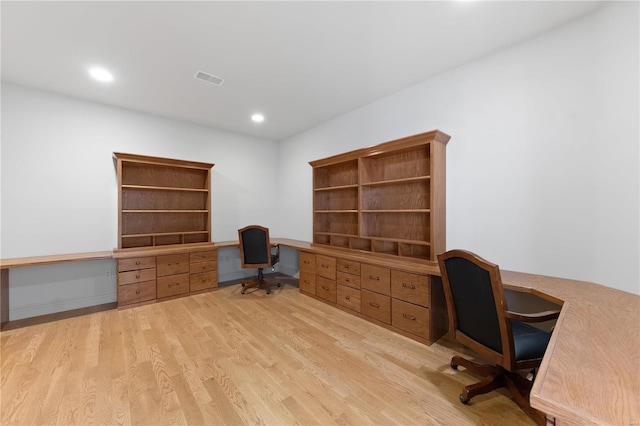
479, 319
255, 252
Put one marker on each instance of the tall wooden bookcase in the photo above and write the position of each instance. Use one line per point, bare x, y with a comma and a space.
162, 201
387, 199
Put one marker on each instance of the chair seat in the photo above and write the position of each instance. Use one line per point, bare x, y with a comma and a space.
529, 342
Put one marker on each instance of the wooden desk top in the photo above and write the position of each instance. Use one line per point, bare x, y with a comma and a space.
590, 373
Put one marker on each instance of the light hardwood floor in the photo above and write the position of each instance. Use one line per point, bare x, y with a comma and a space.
226, 358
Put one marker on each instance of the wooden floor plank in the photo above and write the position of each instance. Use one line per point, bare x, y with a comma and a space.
226, 358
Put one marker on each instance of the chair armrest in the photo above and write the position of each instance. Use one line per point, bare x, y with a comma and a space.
277, 247
536, 317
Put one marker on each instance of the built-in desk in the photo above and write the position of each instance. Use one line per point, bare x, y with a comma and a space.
590, 373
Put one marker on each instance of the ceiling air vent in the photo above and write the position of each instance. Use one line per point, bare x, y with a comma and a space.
209, 78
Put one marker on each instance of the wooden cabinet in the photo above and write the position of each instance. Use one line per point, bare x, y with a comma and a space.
203, 270
162, 201
136, 280
387, 199
176, 272
408, 303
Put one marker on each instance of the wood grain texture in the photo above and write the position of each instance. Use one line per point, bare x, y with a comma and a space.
223, 358
590, 373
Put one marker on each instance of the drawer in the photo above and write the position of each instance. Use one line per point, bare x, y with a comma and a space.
349, 298
376, 279
203, 281
131, 277
137, 292
376, 306
307, 262
136, 263
410, 318
173, 264
347, 279
410, 287
348, 266
326, 289
326, 266
307, 282
172, 285
207, 266
202, 256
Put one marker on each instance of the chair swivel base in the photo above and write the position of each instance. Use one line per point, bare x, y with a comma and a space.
496, 377
259, 283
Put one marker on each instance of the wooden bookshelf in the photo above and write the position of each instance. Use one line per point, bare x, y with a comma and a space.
387, 199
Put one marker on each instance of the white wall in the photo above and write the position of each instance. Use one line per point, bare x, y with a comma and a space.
542, 166
59, 188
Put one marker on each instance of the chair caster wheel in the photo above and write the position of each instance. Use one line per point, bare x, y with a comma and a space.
242, 292
455, 367
279, 284
464, 399
269, 292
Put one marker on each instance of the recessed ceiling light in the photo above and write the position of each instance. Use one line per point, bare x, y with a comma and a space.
258, 118
101, 74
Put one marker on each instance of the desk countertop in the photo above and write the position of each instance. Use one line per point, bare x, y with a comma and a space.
590, 373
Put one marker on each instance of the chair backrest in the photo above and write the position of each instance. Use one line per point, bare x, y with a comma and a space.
255, 247
476, 305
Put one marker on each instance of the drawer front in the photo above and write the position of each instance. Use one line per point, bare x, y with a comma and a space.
376, 279
137, 292
173, 264
376, 306
136, 263
172, 285
307, 282
326, 289
410, 318
410, 287
349, 280
208, 266
307, 262
348, 266
326, 266
202, 256
131, 277
203, 281
349, 298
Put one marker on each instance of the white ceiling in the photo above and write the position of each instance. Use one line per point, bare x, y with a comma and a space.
299, 63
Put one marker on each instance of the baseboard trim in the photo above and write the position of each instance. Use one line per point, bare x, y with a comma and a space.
38, 310
26, 322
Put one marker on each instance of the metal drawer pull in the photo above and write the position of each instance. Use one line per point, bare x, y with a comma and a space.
347, 297
346, 266
176, 284
346, 279
204, 280
324, 266
138, 291
374, 278
137, 262
137, 275
412, 286
407, 316
306, 262
173, 263
325, 288
375, 305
